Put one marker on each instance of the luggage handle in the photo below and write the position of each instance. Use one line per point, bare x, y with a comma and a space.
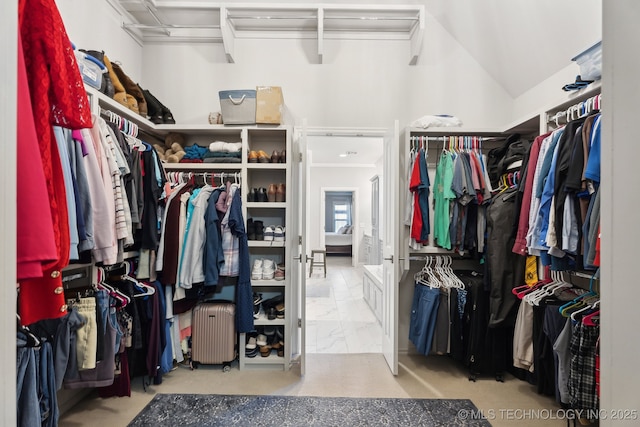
237, 102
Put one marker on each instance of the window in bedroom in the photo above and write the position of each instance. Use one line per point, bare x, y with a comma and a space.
338, 210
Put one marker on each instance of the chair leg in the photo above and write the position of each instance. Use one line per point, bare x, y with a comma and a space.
311, 266
324, 263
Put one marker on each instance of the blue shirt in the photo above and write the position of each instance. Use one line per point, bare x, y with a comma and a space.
592, 171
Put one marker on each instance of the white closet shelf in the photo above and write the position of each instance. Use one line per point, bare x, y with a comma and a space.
167, 21
265, 244
266, 205
201, 166
267, 283
266, 166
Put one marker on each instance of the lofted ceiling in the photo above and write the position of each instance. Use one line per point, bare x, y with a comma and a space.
206, 21
520, 43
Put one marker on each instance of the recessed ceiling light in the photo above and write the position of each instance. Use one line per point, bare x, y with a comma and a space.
343, 154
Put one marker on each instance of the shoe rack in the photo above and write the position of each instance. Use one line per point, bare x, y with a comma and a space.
267, 195
272, 210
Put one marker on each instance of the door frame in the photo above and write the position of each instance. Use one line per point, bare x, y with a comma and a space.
355, 235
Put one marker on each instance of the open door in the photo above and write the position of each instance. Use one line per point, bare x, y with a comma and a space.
390, 262
299, 246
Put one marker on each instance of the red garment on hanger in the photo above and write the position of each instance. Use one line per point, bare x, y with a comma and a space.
58, 99
35, 242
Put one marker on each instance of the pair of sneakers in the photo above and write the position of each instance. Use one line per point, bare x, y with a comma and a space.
263, 269
274, 233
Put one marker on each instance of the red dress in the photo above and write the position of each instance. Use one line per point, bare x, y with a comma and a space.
58, 98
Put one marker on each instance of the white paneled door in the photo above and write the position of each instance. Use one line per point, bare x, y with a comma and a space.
299, 219
390, 262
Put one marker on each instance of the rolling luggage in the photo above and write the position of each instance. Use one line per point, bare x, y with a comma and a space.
213, 334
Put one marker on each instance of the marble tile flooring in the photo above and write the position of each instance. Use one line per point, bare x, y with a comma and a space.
338, 318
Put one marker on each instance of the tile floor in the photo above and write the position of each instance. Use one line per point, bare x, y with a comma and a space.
335, 311
338, 318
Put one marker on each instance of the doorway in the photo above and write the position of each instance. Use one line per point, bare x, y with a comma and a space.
340, 168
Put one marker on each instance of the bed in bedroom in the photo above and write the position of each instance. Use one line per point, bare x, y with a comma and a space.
339, 242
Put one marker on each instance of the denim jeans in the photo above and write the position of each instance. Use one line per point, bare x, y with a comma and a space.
424, 312
46, 378
28, 408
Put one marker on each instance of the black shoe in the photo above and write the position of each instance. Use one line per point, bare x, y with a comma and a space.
162, 113
251, 196
154, 108
251, 229
259, 230
262, 195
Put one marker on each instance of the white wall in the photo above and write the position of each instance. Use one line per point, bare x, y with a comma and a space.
361, 83
620, 346
335, 178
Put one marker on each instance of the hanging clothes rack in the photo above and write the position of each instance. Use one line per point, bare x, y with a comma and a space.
208, 177
576, 111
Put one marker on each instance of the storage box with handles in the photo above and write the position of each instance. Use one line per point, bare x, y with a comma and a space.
238, 106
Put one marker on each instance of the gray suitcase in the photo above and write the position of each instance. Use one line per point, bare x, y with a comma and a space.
213, 334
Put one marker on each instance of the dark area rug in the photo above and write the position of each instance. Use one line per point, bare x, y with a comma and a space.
204, 410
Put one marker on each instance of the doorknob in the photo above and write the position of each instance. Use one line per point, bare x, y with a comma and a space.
389, 259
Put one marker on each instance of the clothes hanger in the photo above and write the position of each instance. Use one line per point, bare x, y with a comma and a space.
586, 308
580, 299
32, 340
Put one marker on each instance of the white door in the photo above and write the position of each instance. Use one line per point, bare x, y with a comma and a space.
390, 262
299, 246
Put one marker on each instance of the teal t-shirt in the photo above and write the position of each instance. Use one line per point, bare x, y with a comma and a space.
442, 196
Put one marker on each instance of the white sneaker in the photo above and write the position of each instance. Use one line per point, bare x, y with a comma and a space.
256, 271
268, 269
268, 234
278, 234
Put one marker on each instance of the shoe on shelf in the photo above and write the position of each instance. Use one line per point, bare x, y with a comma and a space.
278, 234
261, 340
283, 156
280, 350
281, 191
275, 157
251, 353
280, 332
253, 195
268, 269
253, 156
251, 343
272, 314
257, 298
272, 193
279, 274
269, 234
263, 157
262, 195
265, 350
256, 271
270, 332
259, 229
280, 311
251, 229
258, 312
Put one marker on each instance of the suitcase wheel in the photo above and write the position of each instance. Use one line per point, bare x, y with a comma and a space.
226, 367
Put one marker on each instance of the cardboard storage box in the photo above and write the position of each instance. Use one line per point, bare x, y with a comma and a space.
269, 104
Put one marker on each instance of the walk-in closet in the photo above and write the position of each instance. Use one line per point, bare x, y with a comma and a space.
204, 198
